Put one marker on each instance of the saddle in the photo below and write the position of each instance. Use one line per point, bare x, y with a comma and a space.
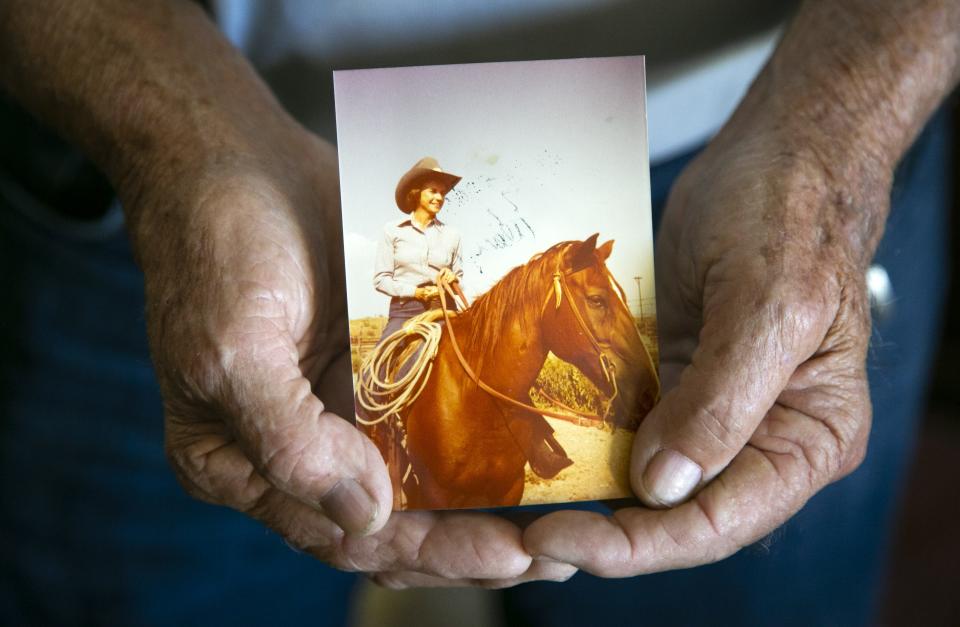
394, 374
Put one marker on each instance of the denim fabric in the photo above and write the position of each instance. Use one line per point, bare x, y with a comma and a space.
94, 529
824, 566
401, 310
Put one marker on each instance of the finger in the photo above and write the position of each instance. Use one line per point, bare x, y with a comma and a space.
540, 570
279, 430
756, 494
450, 545
751, 342
445, 545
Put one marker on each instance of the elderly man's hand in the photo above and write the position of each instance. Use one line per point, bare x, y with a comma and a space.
764, 328
233, 212
761, 298
248, 330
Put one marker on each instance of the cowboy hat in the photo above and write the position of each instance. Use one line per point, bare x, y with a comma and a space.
427, 169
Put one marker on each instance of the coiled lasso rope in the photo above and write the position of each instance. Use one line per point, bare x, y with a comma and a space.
378, 394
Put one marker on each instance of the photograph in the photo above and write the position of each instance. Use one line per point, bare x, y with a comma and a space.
500, 281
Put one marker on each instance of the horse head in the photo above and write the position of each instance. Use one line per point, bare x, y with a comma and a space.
587, 323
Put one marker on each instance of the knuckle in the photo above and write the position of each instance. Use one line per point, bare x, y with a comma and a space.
720, 534
189, 476
809, 459
281, 461
211, 469
849, 430
854, 459
824, 459
324, 542
723, 427
856, 450
289, 461
797, 309
180, 457
302, 532
715, 536
327, 550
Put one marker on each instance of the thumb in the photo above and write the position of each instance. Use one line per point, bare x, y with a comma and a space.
304, 451
750, 344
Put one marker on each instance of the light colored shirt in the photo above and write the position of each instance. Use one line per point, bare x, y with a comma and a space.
701, 54
409, 256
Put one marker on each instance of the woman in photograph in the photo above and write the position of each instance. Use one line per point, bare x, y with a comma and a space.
413, 252
417, 248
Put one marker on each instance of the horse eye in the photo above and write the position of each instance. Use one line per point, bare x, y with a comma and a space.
596, 301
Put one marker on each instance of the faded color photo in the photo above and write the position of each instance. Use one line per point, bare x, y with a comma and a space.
499, 266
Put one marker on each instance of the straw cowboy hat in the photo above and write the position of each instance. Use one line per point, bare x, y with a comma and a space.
427, 169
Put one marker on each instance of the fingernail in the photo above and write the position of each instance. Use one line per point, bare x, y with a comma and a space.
670, 477
546, 560
350, 506
553, 570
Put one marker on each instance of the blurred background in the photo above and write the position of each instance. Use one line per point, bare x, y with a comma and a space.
921, 587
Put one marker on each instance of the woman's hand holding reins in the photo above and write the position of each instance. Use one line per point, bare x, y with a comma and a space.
446, 275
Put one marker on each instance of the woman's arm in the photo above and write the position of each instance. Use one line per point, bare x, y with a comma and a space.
456, 266
383, 270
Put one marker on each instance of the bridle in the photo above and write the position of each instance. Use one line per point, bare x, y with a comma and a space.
557, 289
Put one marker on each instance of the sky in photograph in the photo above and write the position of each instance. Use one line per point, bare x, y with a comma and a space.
548, 151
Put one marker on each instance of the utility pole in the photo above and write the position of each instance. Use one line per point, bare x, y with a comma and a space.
640, 296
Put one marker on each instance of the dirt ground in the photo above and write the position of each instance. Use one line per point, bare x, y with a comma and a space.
599, 471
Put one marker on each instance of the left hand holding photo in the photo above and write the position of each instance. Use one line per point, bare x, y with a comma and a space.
250, 348
233, 214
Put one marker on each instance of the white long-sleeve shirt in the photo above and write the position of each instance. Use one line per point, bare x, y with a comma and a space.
409, 255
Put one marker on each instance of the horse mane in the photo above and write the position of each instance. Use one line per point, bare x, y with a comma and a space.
483, 322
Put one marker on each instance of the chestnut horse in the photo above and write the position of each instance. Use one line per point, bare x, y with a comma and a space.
564, 301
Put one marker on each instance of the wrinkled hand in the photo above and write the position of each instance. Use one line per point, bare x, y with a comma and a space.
764, 328
248, 331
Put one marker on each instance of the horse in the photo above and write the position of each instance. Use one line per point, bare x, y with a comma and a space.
464, 444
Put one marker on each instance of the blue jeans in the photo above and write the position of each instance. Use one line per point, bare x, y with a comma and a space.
401, 310
94, 528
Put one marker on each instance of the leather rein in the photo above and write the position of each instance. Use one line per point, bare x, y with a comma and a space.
557, 289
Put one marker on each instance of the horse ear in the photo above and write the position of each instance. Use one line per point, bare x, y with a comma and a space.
580, 254
603, 252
